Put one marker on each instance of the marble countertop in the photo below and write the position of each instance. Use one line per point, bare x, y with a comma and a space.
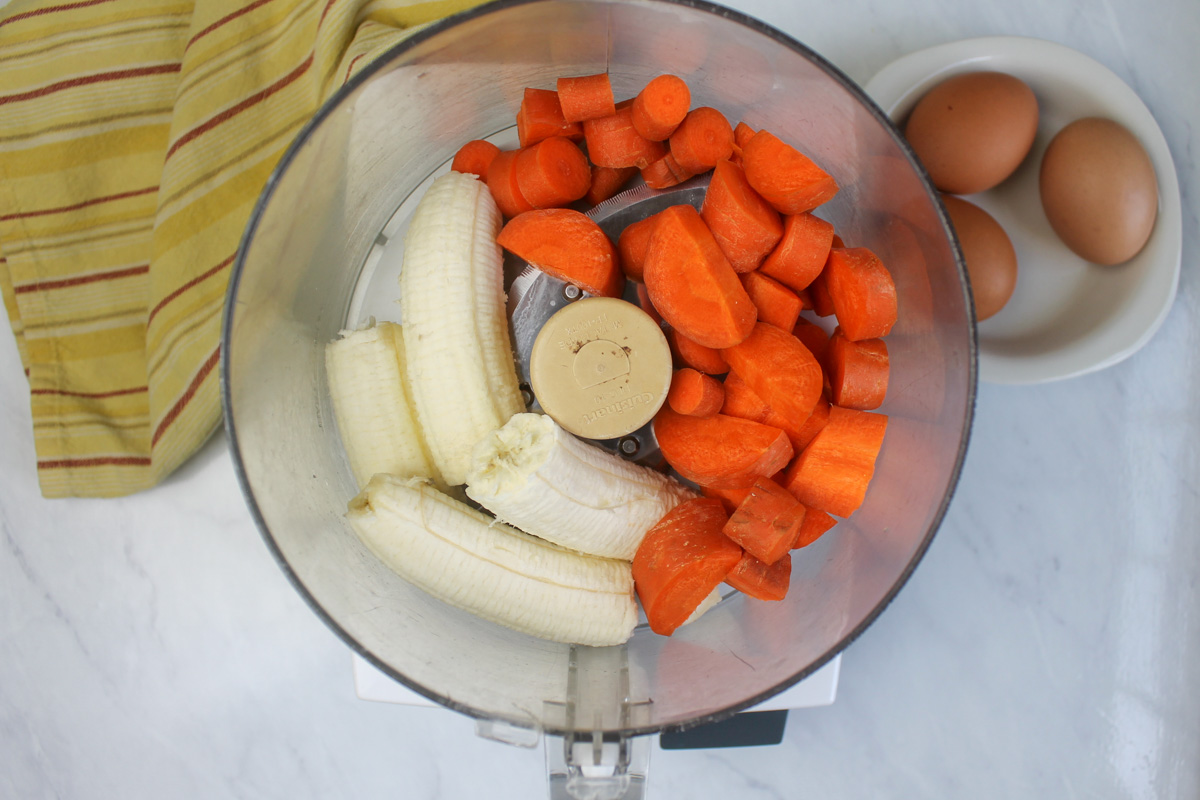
1045, 647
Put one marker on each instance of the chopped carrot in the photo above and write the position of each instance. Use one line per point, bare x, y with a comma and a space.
720, 451
801, 254
816, 524
744, 225
681, 559
502, 181
691, 282
777, 305
785, 177
761, 581
813, 336
862, 292
586, 97
803, 437
612, 141
780, 370
767, 522
833, 472
648, 305
702, 140
566, 245
694, 393
633, 244
858, 371
730, 498
665, 173
806, 303
742, 133
692, 354
606, 182
474, 158
818, 290
742, 401
541, 117
552, 173
661, 106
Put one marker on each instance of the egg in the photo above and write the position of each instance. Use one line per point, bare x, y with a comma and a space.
973, 130
1099, 190
988, 252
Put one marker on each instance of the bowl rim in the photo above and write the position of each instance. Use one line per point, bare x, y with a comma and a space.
331, 105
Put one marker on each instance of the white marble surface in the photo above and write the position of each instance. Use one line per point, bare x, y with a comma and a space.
1046, 647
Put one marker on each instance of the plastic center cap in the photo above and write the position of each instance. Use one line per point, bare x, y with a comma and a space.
600, 367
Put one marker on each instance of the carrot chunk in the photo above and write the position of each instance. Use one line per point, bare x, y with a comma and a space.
720, 451
785, 177
681, 559
474, 158
665, 173
776, 304
552, 173
730, 498
633, 244
818, 290
862, 293
612, 141
761, 581
767, 522
742, 133
801, 254
694, 393
702, 140
661, 106
858, 371
691, 282
586, 97
540, 117
606, 182
780, 370
833, 472
813, 336
742, 401
566, 245
744, 225
812, 426
643, 299
502, 181
694, 355
816, 524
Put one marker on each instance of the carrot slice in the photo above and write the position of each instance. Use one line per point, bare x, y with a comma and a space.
730, 498
681, 559
785, 177
612, 141
862, 293
818, 290
767, 521
502, 181
761, 581
702, 140
858, 371
695, 355
540, 117
661, 106
816, 524
832, 474
813, 336
744, 225
780, 370
691, 282
742, 133
720, 451
648, 305
665, 173
817, 420
474, 158
586, 97
694, 393
742, 401
633, 244
801, 254
606, 182
566, 245
776, 304
552, 173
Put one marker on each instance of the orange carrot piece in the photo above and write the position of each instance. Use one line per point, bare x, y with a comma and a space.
767, 522
720, 451
742, 133
780, 370
702, 140
586, 97
612, 141
761, 581
541, 117
776, 304
695, 355
694, 393
665, 173
801, 254
803, 437
661, 106
566, 245
744, 225
832, 474
816, 524
502, 181
785, 177
730, 498
818, 290
474, 158
691, 282
858, 371
681, 559
648, 305
862, 293
552, 173
606, 182
741, 401
813, 336
633, 244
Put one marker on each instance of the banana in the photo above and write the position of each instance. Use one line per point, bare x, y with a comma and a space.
534, 475
462, 557
367, 384
460, 363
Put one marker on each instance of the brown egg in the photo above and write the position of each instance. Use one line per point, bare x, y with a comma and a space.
973, 130
1099, 190
991, 259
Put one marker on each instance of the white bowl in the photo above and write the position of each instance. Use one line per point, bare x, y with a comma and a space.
1067, 317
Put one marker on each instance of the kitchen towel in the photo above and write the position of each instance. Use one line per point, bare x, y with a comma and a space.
135, 137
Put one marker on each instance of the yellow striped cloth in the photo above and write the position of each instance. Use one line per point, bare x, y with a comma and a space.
135, 136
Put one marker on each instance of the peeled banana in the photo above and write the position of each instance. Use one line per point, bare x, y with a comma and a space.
464, 558
368, 387
460, 363
534, 475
